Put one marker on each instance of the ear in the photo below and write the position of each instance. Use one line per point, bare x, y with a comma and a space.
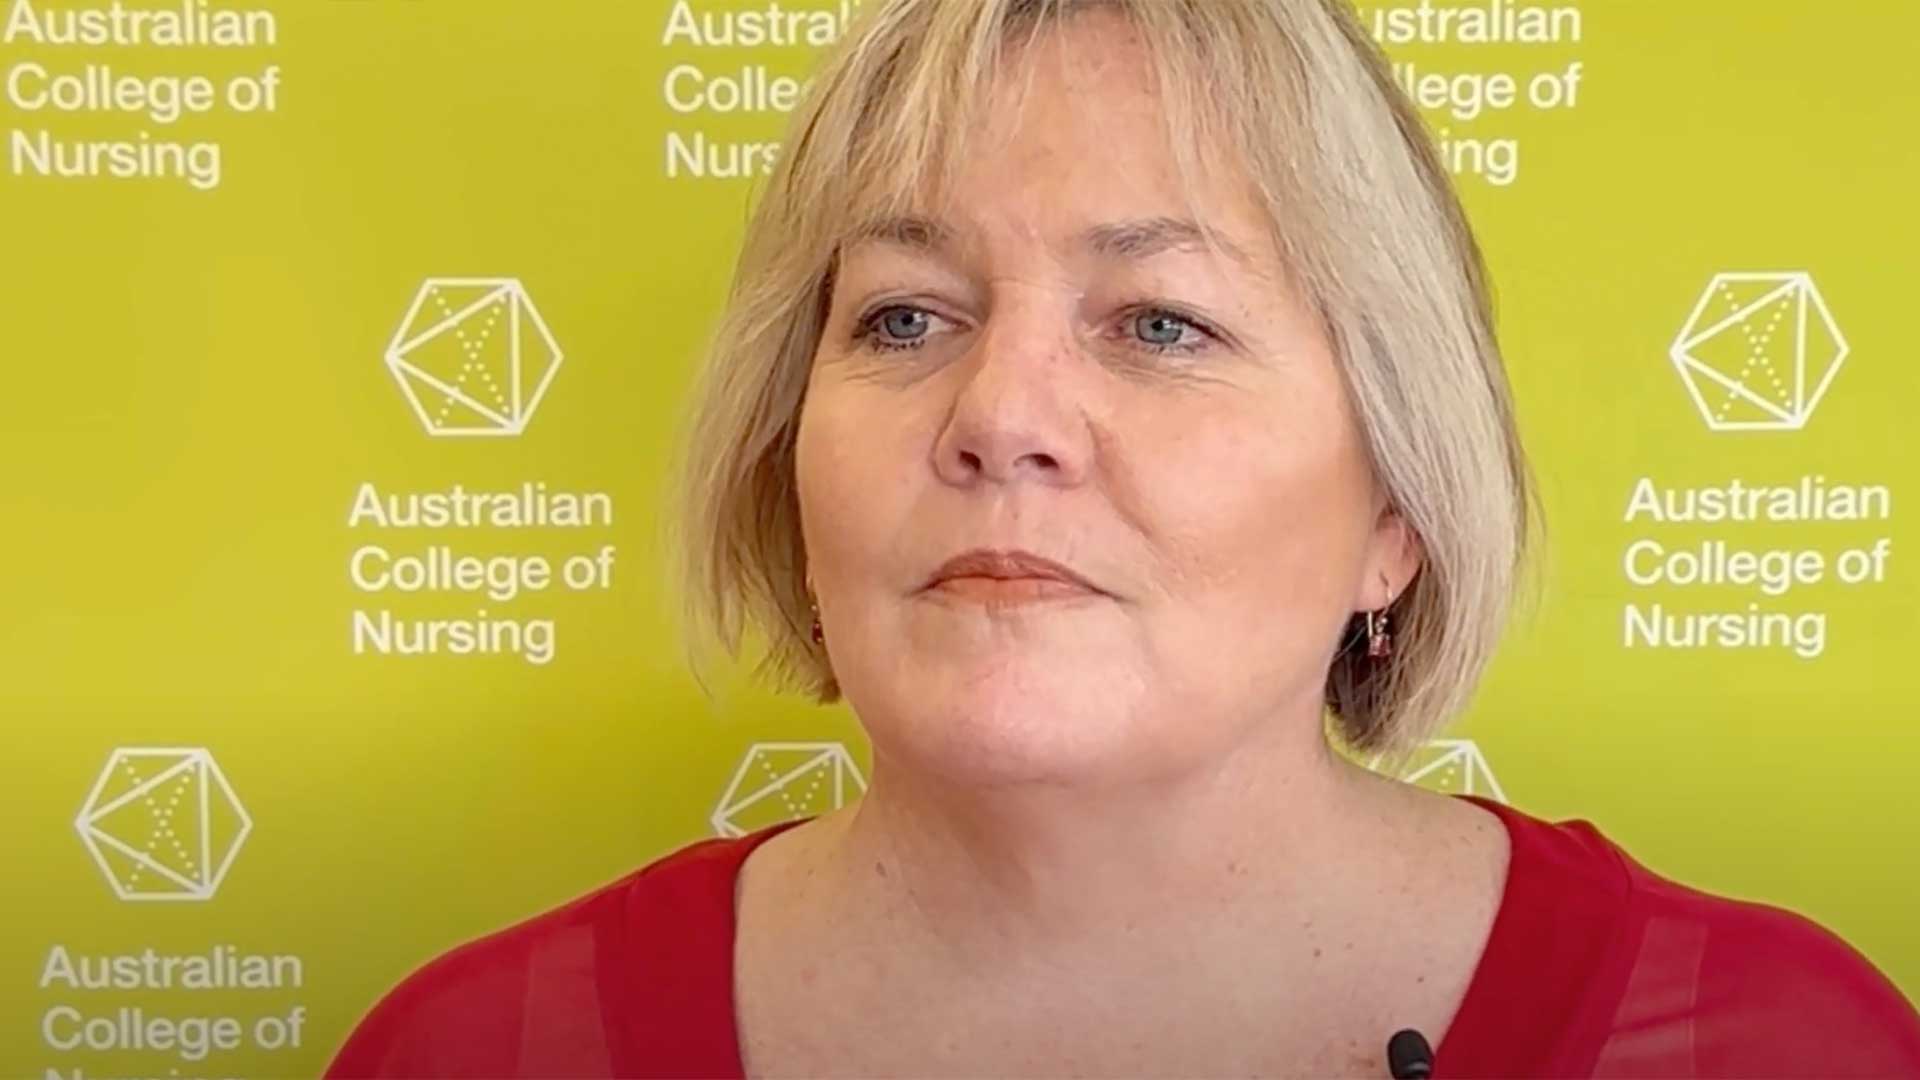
1394, 554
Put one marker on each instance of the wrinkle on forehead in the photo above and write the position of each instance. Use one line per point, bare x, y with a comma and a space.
1121, 240
1098, 58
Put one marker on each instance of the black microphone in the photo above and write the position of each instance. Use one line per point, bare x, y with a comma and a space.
1408, 1055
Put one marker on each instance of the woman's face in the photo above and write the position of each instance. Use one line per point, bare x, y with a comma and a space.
1055, 366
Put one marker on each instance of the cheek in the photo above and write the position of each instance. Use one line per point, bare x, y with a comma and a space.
1257, 512
848, 471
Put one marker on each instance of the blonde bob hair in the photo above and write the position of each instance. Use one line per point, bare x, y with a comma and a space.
1365, 218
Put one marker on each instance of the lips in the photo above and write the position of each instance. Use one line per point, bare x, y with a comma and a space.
1013, 566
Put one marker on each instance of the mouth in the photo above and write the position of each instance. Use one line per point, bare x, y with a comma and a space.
1008, 576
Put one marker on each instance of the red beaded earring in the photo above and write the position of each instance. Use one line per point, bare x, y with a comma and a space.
1379, 639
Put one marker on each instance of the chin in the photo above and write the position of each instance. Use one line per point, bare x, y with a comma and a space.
1013, 722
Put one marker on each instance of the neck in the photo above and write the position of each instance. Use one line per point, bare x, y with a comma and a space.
999, 877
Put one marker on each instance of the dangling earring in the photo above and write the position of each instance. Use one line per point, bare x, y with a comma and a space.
1379, 639
819, 632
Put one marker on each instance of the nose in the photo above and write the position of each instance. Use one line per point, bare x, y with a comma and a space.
1014, 413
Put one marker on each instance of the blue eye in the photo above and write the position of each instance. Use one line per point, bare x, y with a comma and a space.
895, 327
1162, 331
1159, 327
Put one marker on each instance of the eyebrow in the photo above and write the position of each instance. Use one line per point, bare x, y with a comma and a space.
1138, 238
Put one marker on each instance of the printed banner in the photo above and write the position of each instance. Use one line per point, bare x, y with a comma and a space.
348, 344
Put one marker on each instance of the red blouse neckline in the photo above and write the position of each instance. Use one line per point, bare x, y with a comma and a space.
1484, 1018
1481, 1019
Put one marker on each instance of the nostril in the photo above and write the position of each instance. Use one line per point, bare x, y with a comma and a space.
971, 460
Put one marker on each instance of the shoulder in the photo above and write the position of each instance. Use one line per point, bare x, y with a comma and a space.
1771, 991
1689, 982
1601, 966
532, 997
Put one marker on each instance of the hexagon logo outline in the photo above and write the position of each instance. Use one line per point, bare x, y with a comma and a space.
1464, 753
1783, 292
513, 407
192, 766
748, 789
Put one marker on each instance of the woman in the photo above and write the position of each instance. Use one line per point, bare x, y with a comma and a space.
1107, 402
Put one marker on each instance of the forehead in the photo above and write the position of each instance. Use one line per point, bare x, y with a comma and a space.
1072, 145
1129, 239
1074, 116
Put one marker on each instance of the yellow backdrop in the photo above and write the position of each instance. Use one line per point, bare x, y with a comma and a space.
345, 345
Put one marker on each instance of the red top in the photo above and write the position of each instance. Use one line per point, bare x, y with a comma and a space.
1595, 967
